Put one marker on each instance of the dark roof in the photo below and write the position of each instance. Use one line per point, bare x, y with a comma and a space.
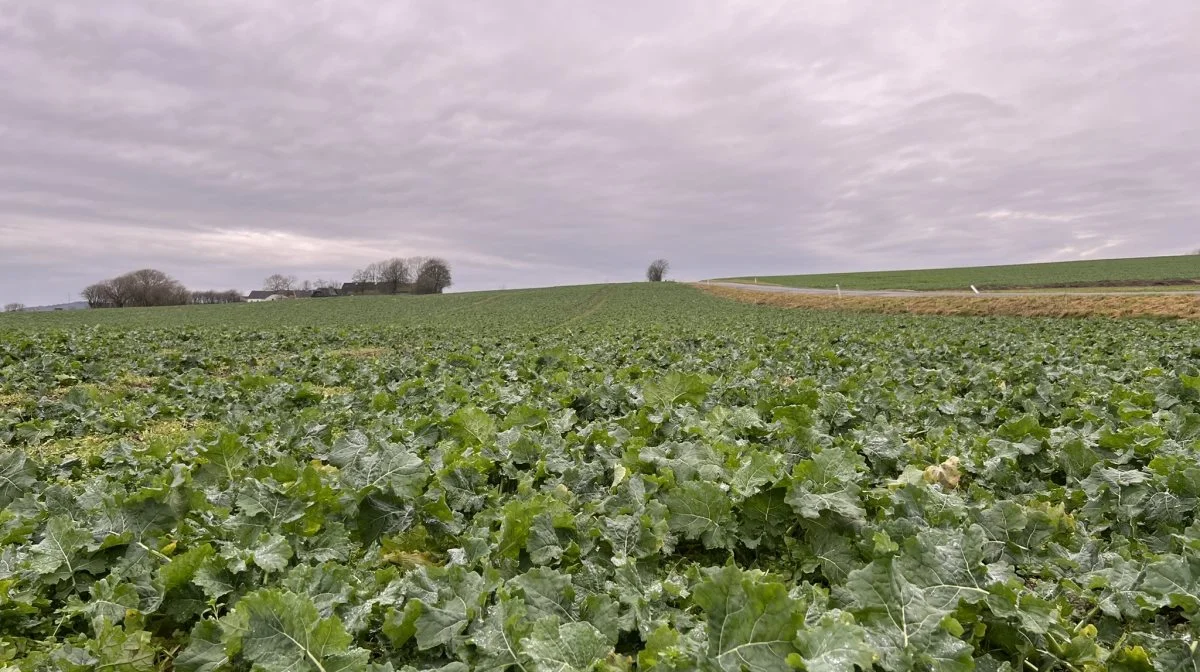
302, 294
261, 294
360, 287
375, 287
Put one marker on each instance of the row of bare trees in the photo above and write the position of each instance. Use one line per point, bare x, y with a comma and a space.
14, 307
419, 275
287, 283
150, 287
146, 287
398, 275
213, 297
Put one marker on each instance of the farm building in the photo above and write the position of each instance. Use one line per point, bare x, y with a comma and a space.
277, 294
260, 295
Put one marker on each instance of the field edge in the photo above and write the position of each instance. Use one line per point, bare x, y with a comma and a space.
1052, 305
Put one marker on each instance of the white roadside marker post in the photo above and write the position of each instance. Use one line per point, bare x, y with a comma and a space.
974, 290
839, 288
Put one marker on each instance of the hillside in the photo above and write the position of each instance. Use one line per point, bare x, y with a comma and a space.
1133, 272
492, 311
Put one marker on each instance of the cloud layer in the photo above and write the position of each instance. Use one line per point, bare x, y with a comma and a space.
552, 143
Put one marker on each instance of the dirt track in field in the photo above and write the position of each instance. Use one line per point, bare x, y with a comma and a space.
1167, 305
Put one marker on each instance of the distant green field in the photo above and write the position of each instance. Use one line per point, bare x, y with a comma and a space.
1103, 272
490, 311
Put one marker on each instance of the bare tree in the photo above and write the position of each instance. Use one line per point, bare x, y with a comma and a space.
98, 296
394, 275
279, 283
150, 287
657, 270
420, 275
145, 287
433, 276
14, 307
371, 274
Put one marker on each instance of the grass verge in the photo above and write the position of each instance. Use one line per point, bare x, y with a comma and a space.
1148, 272
1163, 307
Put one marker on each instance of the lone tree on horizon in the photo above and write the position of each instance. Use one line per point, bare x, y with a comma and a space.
433, 276
279, 283
657, 270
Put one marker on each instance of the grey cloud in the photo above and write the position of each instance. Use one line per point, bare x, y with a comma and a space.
547, 144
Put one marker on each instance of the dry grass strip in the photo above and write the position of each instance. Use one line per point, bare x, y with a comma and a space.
1163, 307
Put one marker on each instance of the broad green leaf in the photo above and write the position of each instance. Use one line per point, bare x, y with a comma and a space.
833, 552
388, 468
765, 515
948, 565
675, 388
1178, 654
205, 651
109, 601
473, 426
17, 476
751, 620
544, 545
564, 648
286, 634
226, 455
439, 624
1175, 581
1130, 659
399, 625
117, 649
214, 580
272, 553
903, 620
328, 585
835, 644
828, 482
517, 526
393, 471
349, 448
1118, 586
700, 510
686, 459
758, 469
183, 567
667, 649
58, 554
546, 592
633, 536
497, 637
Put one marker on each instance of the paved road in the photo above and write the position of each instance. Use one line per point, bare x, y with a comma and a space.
777, 289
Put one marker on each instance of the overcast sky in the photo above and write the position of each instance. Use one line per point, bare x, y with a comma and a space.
538, 143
